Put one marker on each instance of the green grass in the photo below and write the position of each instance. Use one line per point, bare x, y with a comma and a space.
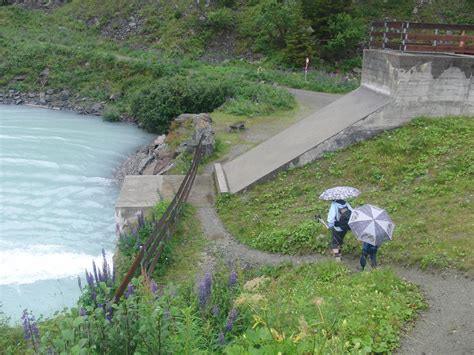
326, 307
421, 173
306, 309
186, 246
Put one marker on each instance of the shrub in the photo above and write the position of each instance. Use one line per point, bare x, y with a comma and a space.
156, 105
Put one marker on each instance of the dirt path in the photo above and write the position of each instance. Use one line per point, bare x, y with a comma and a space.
447, 327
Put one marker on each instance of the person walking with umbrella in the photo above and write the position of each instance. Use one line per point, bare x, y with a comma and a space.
372, 226
338, 215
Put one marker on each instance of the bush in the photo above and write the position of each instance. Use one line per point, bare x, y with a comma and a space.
221, 19
156, 105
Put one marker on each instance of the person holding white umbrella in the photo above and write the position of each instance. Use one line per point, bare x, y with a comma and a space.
338, 215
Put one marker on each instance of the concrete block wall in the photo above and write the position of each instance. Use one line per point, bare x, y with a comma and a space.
419, 84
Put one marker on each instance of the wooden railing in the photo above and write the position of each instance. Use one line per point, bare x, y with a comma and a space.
149, 254
422, 37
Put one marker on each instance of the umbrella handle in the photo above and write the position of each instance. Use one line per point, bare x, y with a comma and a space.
320, 220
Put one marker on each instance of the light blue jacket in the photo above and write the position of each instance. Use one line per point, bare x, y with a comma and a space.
333, 214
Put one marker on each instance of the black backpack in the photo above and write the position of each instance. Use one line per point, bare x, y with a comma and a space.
344, 217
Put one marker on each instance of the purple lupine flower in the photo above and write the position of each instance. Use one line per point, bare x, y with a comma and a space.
89, 279
105, 267
30, 329
93, 294
232, 279
231, 319
130, 290
153, 286
215, 311
108, 313
221, 339
134, 231
94, 269
79, 282
100, 276
205, 289
113, 275
82, 312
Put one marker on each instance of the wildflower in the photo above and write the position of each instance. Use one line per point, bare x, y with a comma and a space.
82, 312
94, 269
30, 329
105, 267
232, 279
79, 283
248, 298
153, 286
318, 301
205, 289
108, 313
221, 339
130, 290
256, 283
231, 319
215, 311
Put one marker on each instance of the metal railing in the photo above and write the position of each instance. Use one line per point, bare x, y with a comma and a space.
150, 252
422, 37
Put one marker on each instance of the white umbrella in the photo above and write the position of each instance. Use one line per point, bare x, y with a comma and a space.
339, 193
371, 224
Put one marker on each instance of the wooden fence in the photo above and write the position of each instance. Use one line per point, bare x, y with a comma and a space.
149, 253
422, 37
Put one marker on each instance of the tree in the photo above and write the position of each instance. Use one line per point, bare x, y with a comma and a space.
319, 12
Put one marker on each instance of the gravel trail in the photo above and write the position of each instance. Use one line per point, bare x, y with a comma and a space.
447, 327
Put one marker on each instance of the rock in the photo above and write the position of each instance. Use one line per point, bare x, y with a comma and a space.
19, 78
159, 140
18, 101
114, 97
64, 95
50, 91
202, 127
97, 108
31, 95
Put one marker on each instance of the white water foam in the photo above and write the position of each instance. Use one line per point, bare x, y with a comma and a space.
44, 262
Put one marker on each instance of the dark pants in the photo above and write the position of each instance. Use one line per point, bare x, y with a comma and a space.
337, 238
369, 250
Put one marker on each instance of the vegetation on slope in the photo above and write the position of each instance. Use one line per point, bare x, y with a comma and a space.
420, 173
321, 307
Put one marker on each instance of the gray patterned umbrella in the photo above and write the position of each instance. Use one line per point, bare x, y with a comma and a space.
371, 224
339, 193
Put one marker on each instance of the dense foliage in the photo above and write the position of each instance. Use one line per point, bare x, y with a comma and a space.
320, 307
418, 173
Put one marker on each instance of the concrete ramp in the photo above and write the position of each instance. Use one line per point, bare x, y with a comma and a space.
281, 150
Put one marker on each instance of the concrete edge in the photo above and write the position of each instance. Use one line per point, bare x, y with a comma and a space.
222, 185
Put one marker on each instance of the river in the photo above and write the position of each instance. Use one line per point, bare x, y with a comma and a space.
57, 199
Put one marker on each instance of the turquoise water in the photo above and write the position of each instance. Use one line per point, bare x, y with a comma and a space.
57, 201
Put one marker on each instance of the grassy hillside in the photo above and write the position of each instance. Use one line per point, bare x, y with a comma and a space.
421, 173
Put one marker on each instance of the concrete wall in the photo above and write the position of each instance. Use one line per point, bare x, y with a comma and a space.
419, 84
143, 192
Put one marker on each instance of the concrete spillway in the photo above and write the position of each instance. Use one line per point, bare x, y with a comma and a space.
291, 143
396, 87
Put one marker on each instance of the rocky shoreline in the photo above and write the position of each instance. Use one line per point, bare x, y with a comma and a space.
54, 100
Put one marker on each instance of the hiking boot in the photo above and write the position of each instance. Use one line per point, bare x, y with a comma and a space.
338, 257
